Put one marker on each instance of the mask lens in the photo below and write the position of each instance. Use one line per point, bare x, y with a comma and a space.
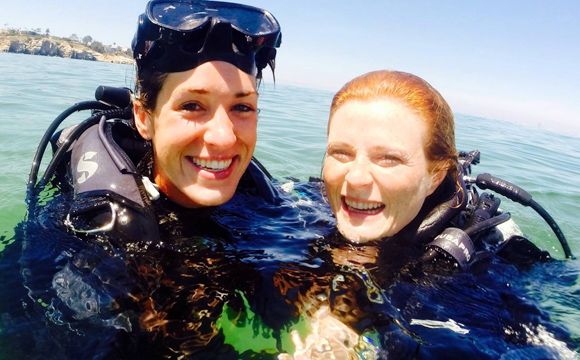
185, 16
247, 20
178, 15
177, 35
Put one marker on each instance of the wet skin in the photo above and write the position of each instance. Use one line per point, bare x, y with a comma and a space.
203, 130
375, 171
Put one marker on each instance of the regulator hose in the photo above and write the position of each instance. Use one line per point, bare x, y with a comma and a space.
487, 224
519, 195
84, 105
60, 153
111, 101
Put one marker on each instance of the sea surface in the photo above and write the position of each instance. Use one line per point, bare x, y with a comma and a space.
292, 123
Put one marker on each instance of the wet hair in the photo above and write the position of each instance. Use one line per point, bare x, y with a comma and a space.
148, 85
418, 95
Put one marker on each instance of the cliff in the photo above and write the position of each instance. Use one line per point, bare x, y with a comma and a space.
36, 44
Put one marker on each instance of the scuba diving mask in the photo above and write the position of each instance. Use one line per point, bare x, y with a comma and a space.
178, 35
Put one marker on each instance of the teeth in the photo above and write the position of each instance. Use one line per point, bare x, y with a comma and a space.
359, 205
212, 165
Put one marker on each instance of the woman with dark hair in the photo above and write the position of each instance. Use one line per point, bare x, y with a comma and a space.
157, 195
196, 97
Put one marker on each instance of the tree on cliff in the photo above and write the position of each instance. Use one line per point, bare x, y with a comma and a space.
98, 47
87, 39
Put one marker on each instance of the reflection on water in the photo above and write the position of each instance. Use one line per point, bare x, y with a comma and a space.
253, 284
271, 265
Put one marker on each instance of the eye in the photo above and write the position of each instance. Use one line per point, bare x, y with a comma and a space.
341, 155
243, 108
191, 106
387, 160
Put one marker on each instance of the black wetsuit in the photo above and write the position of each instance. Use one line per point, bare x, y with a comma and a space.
101, 295
410, 306
96, 294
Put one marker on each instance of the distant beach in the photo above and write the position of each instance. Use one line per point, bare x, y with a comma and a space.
44, 44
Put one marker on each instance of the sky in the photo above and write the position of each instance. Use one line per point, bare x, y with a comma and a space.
514, 60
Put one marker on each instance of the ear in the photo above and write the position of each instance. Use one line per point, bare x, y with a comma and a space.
437, 177
143, 120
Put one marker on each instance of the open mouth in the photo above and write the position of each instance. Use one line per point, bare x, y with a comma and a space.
216, 169
211, 165
362, 207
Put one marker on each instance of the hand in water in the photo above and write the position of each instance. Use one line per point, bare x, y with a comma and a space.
329, 339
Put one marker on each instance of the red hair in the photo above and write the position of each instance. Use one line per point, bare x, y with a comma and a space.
418, 95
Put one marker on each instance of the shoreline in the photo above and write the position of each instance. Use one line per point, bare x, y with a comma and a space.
26, 42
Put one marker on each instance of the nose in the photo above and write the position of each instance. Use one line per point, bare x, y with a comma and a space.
359, 174
220, 130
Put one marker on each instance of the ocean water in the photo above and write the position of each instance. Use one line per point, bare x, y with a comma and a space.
34, 90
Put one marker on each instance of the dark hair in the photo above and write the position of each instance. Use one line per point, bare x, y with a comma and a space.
148, 85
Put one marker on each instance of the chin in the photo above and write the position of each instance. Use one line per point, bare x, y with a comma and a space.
211, 200
361, 232
356, 236
196, 197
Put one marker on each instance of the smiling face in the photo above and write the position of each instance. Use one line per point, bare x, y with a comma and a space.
203, 130
375, 171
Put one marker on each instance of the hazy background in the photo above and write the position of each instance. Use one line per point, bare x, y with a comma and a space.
515, 61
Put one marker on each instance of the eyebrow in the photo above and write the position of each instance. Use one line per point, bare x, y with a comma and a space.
389, 149
337, 144
240, 94
198, 91
381, 148
246, 93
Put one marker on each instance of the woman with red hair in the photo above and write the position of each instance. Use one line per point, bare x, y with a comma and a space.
395, 183
391, 143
